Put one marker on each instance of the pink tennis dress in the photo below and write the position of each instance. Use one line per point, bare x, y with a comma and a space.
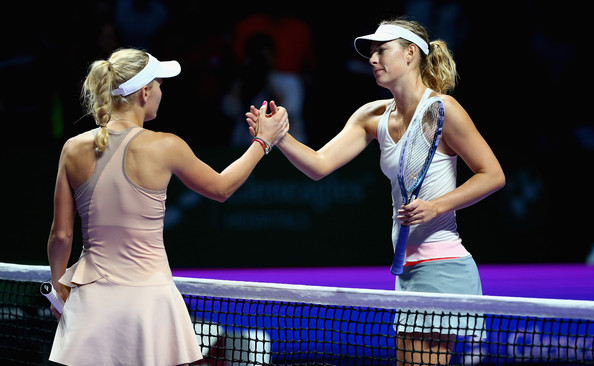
123, 308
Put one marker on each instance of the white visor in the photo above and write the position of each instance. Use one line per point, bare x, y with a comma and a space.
153, 69
389, 32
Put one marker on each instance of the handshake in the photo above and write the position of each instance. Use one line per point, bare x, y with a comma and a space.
268, 128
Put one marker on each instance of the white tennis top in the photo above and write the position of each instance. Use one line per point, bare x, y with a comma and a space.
437, 239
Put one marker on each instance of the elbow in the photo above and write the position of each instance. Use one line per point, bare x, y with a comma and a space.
221, 198
216, 192
492, 179
316, 177
317, 174
223, 195
502, 183
64, 237
60, 238
499, 180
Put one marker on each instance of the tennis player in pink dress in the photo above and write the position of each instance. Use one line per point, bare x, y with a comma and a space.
121, 304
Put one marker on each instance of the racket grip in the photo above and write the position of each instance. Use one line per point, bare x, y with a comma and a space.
48, 291
400, 251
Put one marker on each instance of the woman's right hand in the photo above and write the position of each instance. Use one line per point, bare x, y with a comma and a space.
270, 127
63, 292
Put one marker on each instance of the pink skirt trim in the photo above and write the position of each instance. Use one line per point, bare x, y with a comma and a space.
435, 251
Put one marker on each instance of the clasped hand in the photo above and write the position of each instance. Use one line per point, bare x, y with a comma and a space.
274, 125
416, 212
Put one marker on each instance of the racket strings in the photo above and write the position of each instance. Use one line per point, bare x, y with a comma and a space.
421, 138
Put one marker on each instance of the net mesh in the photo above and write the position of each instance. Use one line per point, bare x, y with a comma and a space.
244, 323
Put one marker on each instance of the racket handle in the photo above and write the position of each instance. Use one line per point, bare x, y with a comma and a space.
400, 251
48, 291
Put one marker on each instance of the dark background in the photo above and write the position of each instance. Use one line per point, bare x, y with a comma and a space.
524, 69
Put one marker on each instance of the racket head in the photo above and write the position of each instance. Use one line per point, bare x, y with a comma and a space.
423, 136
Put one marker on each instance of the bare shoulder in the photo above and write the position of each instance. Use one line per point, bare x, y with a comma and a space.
81, 138
79, 144
451, 105
164, 148
458, 127
455, 115
368, 116
78, 158
160, 141
372, 109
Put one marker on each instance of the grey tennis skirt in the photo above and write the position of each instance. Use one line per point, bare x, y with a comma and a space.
452, 276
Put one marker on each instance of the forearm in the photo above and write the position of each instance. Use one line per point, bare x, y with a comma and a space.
58, 251
304, 158
476, 188
59, 243
233, 177
461, 137
317, 164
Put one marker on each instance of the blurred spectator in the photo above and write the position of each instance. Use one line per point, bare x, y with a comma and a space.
252, 85
282, 60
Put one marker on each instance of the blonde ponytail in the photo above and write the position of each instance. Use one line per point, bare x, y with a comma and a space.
438, 69
97, 98
103, 77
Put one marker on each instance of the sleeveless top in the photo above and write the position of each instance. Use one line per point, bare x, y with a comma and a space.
437, 239
122, 224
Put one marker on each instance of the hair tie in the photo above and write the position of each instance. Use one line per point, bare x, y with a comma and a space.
108, 65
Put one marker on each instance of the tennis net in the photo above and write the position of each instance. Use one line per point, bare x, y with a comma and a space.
249, 323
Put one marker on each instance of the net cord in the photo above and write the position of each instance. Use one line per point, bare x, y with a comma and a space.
326, 295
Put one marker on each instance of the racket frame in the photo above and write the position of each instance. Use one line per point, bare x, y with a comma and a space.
400, 247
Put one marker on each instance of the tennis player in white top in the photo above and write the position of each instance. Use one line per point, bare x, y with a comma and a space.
412, 68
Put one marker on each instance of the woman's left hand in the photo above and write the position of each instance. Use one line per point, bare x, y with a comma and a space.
417, 212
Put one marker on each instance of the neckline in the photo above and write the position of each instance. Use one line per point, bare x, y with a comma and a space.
119, 132
392, 108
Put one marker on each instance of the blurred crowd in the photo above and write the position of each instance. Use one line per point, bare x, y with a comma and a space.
514, 60
231, 57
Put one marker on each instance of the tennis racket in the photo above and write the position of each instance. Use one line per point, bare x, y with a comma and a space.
48, 291
416, 156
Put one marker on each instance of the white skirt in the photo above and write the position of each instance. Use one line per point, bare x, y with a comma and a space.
108, 324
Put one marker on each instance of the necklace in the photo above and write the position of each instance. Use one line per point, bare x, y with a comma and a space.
398, 131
